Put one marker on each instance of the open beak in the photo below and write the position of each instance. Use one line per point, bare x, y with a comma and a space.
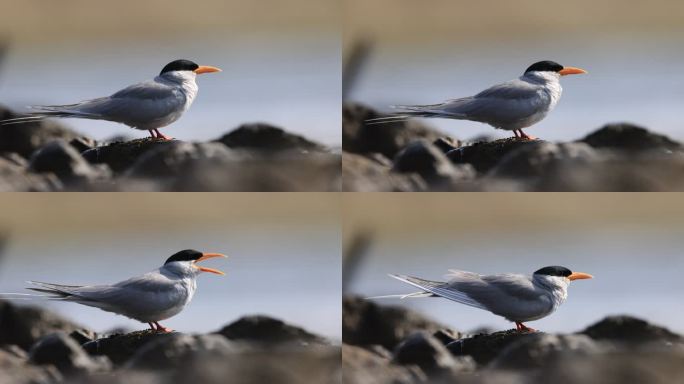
568, 71
206, 69
209, 256
579, 276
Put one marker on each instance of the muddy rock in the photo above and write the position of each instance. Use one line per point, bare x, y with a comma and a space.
362, 366
486, 347
65, 354
264, 329
424, 350
63, 160
16, 177
265, 137
175, 349
23, 326
541, 349
366, 323
483, 156
26, 138
15, 368
121, 155
387, 139
629, 329
364, 174
630, 137
263, 365
425, 159
120, 347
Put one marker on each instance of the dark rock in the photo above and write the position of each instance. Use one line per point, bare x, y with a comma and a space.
23, 326
446, 336
388, 139
26, 138
361, 366
485, 348
264, 329
63, 160
422, 349
428, 161
266, 137
15, 369
485, 155
629, 329
361, 174
119, 348
121, 155
446, 144
626, 136
541, 349
64, 353
366, 323
181, 158
177, 349
538, 159
82, 144
82, 336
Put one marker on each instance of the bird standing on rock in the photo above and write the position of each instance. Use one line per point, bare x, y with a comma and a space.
148, 105
149, 298
511, 106
518, 298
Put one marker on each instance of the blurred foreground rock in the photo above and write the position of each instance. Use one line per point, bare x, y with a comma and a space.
617, 349
44, 156
616, 157
253, 349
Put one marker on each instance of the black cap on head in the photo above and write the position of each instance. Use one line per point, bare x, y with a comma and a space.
554, 271
179, 65
544, 66
186, 255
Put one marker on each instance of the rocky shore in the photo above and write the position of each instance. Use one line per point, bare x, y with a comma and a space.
47, 156
384, 344
39, 347
409, 156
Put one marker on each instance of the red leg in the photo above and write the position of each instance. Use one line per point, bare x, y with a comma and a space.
523, 328
162, 136
152, 326
526, 136
162, 328
515, 132
152, 134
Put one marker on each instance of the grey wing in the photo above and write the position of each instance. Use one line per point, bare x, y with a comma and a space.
497, 293
440, 289
142, 102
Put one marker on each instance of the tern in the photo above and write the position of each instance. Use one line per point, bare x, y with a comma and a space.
511, 106
148, 105
149, 298
518, 298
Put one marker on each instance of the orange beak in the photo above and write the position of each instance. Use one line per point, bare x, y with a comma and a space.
209, 256
206, 69
580, 276
567, 71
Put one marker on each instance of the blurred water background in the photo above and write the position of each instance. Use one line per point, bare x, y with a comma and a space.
284, 252
632, 244
280, 60
425, 53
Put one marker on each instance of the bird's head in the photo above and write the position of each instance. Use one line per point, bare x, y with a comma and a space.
559, 275
550, 70
185, 262
180, 70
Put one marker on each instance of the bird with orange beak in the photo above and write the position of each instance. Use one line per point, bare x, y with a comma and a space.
518, 298
148, 105
149, 298
511, 106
